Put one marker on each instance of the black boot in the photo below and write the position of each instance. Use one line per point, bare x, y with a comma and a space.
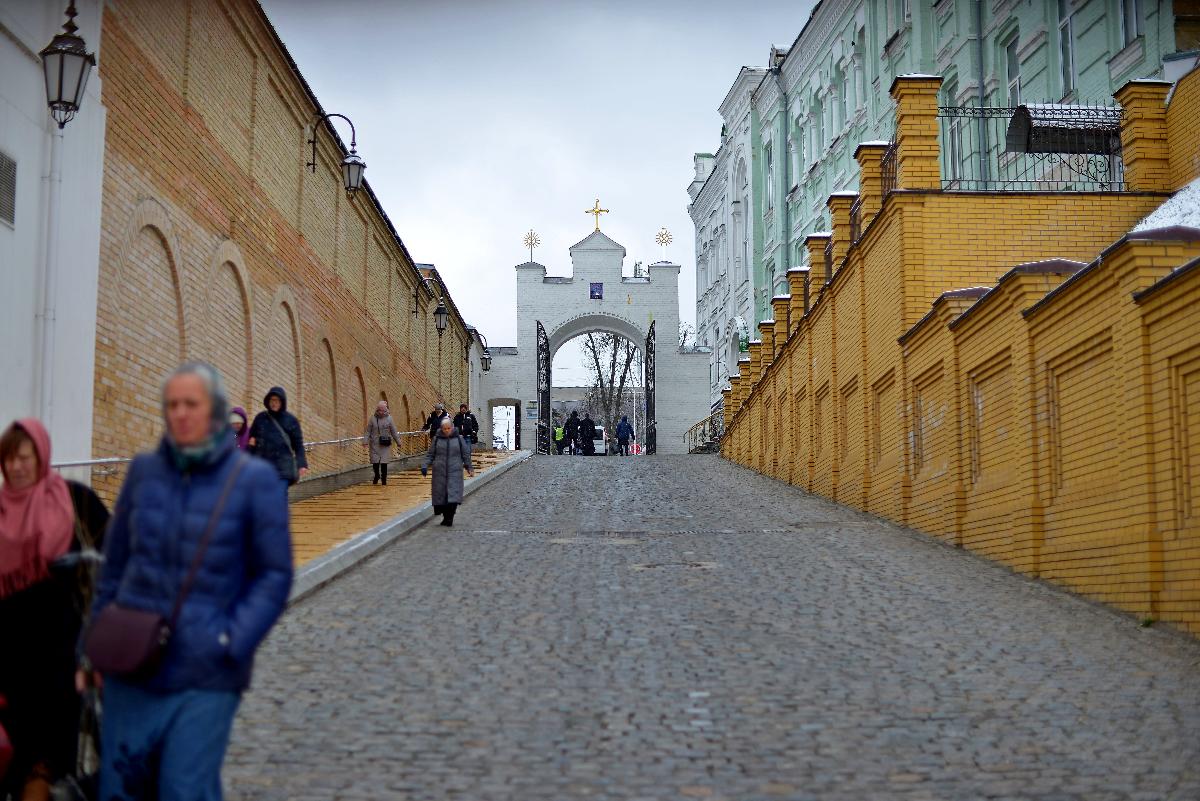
383, 472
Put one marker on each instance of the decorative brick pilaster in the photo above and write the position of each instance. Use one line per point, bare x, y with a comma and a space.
917, 131
869, 156
798, 302
782, 306
766, 354
839, 205
815, 244
1144, 148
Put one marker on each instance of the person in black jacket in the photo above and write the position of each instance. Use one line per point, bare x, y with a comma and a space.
587, 434
434, 423
573, 433
275, 435
466, 424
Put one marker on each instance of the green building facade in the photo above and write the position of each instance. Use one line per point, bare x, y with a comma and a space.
829, 91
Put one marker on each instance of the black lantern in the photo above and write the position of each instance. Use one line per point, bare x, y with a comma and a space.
67, 65
441, 317
352, 172
486, 360
353, 166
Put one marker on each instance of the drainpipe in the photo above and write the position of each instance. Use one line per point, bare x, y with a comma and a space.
983, 143
785, 261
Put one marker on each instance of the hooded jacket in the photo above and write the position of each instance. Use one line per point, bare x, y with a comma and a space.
276, 446
242, 585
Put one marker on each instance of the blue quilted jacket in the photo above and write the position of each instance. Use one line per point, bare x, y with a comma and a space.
243, 583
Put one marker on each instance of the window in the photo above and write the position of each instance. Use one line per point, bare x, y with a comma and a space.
1012, 66
769, 161
742, 265
954, 136
1131, 20
8, 190
1066, 47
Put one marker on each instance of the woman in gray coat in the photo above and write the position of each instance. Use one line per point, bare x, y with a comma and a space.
448, 454
381, 436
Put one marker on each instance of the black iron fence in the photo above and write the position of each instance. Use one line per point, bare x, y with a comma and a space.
887, 167
1036, 147
856, 219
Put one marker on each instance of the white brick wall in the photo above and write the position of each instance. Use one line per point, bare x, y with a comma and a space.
629, 306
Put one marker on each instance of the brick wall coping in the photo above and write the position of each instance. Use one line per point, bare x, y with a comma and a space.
1175, 233
1166, 280
1044, 267
966, 292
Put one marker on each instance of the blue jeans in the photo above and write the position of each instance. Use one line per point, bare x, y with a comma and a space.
164, 746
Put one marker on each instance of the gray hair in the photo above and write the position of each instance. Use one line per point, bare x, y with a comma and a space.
212, 383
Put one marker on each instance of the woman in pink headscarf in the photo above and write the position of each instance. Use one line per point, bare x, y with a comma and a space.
40, 609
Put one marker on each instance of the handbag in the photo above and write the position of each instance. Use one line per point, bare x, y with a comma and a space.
131, 642
295, 476
385, 440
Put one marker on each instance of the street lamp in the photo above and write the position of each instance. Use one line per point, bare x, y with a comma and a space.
67, 65
353, 166
441, 317
486, 360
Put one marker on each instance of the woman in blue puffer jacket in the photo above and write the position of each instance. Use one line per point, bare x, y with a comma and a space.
164, 735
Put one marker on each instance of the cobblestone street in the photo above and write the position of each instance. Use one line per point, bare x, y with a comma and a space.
605, 629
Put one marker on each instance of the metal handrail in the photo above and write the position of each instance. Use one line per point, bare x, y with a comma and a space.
308, 446
709, 429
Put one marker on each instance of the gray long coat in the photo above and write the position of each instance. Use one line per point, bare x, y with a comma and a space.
448, 456
377, 427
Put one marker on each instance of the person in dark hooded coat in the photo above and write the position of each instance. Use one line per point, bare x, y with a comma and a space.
587, 434
573, 433
449, 454
275, 435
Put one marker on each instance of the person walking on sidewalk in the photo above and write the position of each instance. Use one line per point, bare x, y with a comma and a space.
624, 434
380, 437
239, 421
199, 544
435, 419
449, 454
573, 433
276, 436
587, 434
560, 436
466, 424
42, 518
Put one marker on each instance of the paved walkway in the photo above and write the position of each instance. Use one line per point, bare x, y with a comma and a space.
322, 523
606, 629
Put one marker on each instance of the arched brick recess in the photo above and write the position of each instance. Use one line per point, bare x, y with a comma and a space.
321, 414
282, 365
229, 326
360, 400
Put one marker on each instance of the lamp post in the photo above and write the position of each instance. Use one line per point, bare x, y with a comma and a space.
353, 166
66, 65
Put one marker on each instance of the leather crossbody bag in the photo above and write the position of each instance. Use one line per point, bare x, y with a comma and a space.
131, 642
295, 476
385, 439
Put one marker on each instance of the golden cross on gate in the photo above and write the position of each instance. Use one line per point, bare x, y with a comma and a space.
597, 211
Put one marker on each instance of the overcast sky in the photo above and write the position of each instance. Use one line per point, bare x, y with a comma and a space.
480, 120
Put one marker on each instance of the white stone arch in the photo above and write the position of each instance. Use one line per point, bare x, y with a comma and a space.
592, 322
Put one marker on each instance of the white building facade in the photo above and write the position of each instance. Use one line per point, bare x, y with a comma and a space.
723, 211
598, 297
27, 245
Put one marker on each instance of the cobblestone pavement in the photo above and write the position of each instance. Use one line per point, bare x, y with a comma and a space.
605, 629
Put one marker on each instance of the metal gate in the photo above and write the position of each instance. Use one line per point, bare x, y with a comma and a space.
544, 438
650, 440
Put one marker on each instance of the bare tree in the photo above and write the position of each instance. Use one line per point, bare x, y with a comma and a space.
686, 331
610, 358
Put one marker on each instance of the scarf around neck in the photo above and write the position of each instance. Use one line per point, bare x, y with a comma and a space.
37, 523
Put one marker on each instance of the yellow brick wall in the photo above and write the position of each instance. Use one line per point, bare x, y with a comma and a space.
1051, 428
218, 243
1183, 123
